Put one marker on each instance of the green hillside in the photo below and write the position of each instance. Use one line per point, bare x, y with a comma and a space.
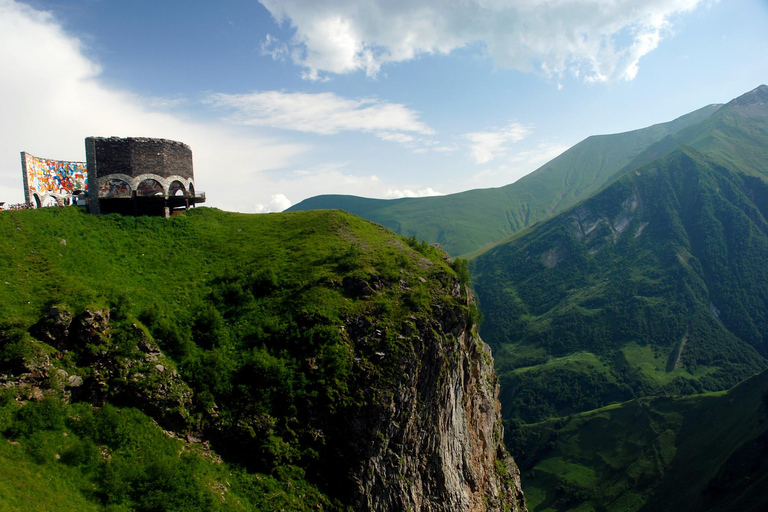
658, 284
465, 222
265, 346
699, 453
734, 136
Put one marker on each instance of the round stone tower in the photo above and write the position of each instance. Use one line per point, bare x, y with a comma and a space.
139, 176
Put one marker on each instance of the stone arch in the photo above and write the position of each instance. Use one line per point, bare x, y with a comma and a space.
36, 203
115, 187
150, 187
191, 189
176, 188
49, 200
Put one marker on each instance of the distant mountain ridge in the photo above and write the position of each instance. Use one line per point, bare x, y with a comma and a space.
467, 221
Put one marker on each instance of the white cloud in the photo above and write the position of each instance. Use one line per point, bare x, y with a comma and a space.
395, 137
51, 99
543, 153
278, 203
335, 178
274, 48
486, 146
513, 167
598, 40
397, 194
323, 113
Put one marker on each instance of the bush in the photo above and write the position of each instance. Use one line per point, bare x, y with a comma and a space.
36, 416
461, 267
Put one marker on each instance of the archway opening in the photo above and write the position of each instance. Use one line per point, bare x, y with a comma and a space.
149, 187
177, 189
115, 188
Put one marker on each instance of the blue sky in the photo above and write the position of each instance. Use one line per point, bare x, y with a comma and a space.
281, 100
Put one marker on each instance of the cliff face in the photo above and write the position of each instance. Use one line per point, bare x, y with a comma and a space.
438, 442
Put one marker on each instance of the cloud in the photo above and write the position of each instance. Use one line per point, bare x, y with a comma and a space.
597, 40
402, 138
397, 194
274, 48
517, 165
322, 113
543, 153
278, 203
486, 146
51, 99
335, 178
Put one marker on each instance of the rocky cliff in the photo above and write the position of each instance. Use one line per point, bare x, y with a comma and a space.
439, 438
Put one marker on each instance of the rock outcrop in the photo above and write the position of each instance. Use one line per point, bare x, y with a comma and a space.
437, 444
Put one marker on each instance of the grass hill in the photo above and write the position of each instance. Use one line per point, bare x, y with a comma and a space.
655, 285
212, 361
734, 136
699, 453
465, 222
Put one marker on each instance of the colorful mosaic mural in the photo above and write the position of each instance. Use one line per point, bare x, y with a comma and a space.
150, 187
115, 188
45, 176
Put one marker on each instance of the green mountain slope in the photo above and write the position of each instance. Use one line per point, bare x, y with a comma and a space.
219, 361
657, 284
733, 136
467, 221
698, 453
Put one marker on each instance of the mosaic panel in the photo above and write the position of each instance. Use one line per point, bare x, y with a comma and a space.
54, 176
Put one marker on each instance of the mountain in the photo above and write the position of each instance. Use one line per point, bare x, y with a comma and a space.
219, 361
655, 285
734, 135
465, 222
699, 453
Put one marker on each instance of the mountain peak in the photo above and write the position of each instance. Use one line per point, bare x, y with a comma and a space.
755, 97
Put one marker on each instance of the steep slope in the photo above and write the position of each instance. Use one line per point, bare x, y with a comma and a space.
322, 360
467, 221
657, 284
698, 453
734, 136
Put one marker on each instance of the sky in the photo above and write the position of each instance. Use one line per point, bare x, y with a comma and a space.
281, 100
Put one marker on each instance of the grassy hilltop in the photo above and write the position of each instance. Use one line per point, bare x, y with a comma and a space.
215, 326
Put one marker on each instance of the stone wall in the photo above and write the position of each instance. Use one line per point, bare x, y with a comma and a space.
139, 155
122, 169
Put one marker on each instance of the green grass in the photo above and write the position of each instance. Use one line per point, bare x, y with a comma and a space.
80, 458
282, 329
650, 365
25, 485
653, 454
